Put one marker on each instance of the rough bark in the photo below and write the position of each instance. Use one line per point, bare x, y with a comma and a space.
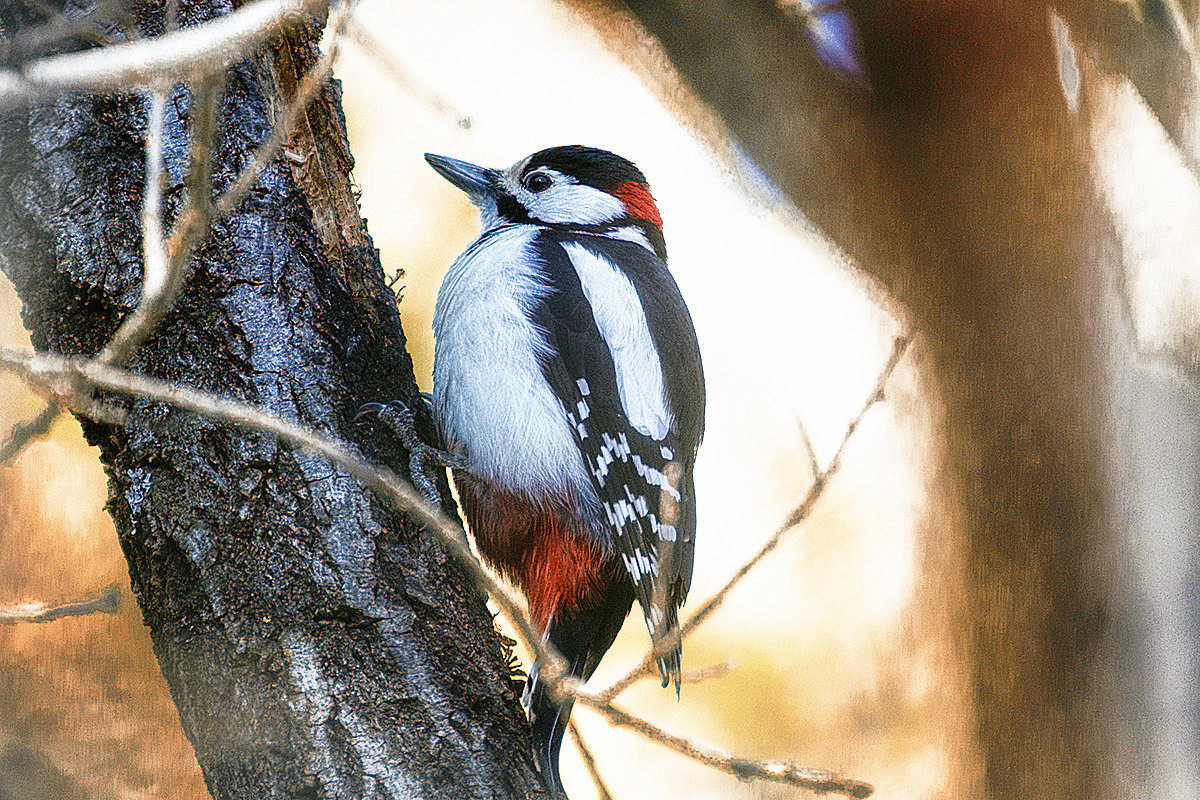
960, 184
316, 643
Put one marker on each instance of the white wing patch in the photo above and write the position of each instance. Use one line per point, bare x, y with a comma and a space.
622, 323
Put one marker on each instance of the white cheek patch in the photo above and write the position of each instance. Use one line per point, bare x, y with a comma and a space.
566, 200
573, 202
622, 323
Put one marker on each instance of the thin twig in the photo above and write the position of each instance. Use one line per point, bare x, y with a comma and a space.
107, 603
194, 222
814, 780
200, 50
589, 761
371, 45
25, 432
794, 518
167, 264
711, 672
156, 264
814, 464
58, 29
73, 381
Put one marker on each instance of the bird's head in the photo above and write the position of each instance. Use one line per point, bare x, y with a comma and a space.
574, 187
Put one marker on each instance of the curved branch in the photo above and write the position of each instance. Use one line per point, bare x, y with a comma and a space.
201, 50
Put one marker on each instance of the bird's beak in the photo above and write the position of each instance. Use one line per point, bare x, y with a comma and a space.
478, 182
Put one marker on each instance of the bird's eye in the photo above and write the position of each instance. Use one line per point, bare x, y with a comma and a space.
537, 182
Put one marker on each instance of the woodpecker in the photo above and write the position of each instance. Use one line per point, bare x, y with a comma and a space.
567, 384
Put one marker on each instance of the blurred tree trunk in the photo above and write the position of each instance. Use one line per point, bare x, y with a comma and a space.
316, 643
960, 183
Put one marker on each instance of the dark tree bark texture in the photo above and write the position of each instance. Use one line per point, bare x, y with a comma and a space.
316, 643
959, 182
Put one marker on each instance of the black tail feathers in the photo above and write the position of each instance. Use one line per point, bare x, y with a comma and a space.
583, 635
548, 722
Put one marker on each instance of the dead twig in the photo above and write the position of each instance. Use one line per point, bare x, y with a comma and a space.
200, 50
711, 672
370, 44
589, 761
167, 265
313, 82
74, 381
106, 603
23, 433
814, 780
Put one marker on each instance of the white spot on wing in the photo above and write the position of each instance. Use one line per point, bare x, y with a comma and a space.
630, 233
623, 326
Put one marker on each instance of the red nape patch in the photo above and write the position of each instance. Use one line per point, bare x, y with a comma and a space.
639, 202
537, 546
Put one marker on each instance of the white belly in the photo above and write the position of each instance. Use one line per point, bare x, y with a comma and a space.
493, 404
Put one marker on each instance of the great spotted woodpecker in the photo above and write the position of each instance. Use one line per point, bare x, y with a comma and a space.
567, 380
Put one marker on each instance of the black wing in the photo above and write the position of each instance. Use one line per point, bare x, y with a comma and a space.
648, 517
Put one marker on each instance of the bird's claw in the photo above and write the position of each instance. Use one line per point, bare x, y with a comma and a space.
400, 420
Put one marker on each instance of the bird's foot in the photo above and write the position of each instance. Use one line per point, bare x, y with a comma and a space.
397, 417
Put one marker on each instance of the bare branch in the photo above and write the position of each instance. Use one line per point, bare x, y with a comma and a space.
371, 45
814, 464
60, 28
797, 515
156, 264
201, 50
192, 227
24, 433
166, 265
711, 672
107, 603
589, 761
814, 780
73, 381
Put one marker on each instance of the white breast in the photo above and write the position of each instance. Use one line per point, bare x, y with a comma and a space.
492, 400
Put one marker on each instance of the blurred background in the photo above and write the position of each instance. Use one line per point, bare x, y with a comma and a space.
830, 670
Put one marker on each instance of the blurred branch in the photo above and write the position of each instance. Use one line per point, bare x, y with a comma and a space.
73, 381
712, 671
798, 514
201, 50
1155, 51
106, 603
814, 780
167, 266
313, 82
589, 761
60, 29
372, 46
814, 465
780, 771
23, 433
158, 271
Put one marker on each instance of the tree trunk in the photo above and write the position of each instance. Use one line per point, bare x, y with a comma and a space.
316, 643
959, 183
